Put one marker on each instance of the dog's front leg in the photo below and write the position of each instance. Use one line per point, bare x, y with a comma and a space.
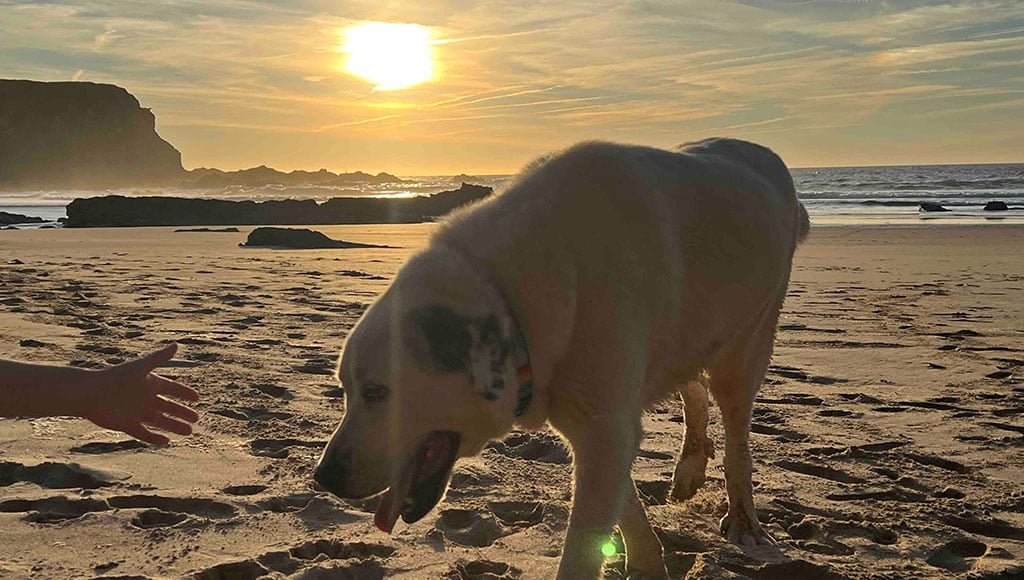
603, 450
644, 557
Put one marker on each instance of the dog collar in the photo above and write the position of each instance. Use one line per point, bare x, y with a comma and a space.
524, 372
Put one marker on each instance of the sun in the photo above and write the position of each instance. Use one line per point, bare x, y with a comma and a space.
389, 55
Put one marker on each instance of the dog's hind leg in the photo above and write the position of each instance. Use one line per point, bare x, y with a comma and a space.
644, 557
697, 446
735, 378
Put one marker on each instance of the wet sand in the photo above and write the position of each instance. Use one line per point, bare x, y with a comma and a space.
888, 439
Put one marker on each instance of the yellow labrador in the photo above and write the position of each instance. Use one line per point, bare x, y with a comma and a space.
605, 279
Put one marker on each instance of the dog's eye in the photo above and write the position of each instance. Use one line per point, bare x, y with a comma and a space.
373, 393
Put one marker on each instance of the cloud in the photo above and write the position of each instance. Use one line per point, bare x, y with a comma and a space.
520, 77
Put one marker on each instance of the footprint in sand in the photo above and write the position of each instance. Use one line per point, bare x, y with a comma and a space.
286, 504
840, 413
939, 462
820, 471
53, 475
53, 509
276, 391
317, 366
788, 569
154, 518
654, 492
483, 570
100, 447
244, 489
280, 448
892, 494
542, 447
251, 414
243, 570
957, 555
783, 434
993, 528
518, 514
338, 550
1004, 427
197, 506
470, 528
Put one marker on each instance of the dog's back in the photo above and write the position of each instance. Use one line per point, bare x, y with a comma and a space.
695, 241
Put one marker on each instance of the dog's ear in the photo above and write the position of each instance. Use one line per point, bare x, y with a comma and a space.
447, 336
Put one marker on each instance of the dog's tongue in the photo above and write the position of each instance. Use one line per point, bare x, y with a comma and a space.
430, 458
387, 512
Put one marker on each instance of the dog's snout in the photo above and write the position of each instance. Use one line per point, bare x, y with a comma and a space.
330, 473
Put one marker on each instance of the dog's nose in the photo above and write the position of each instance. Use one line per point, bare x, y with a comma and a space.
330, 474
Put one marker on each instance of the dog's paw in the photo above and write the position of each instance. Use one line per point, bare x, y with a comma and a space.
744, 530
644, 575
689, 477
646, 564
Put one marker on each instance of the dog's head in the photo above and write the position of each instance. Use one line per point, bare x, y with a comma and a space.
429, 375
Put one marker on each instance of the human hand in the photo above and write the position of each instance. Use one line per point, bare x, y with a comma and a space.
132, 399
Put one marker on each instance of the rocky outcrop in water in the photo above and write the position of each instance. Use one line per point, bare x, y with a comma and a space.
7, 219
115, 210
931, 206
79, 135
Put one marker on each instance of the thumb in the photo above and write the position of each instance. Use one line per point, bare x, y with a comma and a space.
155, 359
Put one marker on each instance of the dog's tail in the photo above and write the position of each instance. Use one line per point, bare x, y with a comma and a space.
804, 222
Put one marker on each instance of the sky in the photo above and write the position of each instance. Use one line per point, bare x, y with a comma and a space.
240, 83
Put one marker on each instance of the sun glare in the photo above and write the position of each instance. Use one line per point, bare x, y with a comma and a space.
391, 56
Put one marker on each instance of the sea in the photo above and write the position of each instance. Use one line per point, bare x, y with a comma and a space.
834, 196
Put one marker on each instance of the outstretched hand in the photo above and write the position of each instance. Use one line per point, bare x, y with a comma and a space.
132, 399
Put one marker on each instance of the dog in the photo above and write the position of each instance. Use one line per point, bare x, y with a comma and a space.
605, 279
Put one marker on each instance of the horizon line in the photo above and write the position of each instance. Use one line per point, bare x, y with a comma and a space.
511, 173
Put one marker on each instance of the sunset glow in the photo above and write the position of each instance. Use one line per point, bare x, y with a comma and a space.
391, 56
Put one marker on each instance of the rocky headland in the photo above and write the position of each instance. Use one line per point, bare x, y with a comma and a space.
80, 135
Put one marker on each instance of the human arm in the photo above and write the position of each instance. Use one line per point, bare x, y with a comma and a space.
128, 397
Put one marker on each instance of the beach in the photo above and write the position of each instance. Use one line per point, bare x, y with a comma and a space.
888, 439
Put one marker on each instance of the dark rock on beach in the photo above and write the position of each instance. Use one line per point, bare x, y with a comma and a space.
79, 135
931, 206
115, 210
996, 206
296, 238
7, 219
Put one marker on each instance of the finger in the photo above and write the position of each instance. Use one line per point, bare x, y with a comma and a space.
165, 423
142, 434
154, 359
165, 386
177, 410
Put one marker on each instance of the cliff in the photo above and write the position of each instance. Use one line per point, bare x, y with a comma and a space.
79, 135
115, 210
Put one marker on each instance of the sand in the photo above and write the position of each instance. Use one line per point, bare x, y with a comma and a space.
888, 439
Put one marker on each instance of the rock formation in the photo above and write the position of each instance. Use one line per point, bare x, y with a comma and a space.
115, 210
7, 219
79, 135
301, 239
263, 175
931, 206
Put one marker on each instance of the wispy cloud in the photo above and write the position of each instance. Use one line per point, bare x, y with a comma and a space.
823, 81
